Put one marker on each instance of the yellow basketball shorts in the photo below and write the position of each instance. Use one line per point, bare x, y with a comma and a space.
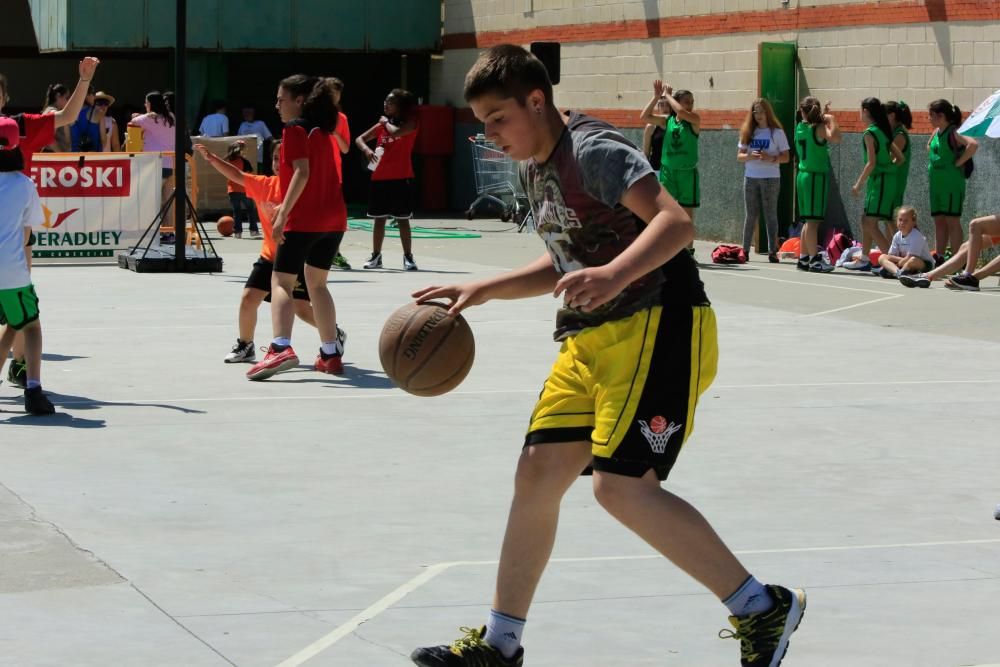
630, 387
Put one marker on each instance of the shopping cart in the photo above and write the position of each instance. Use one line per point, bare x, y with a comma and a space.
497, 183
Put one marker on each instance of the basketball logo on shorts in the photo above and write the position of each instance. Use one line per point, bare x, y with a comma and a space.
658, 433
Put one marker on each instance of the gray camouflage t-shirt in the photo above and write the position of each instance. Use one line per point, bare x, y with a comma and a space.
575, 198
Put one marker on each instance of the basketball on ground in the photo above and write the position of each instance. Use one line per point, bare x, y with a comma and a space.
225, 225
424, 351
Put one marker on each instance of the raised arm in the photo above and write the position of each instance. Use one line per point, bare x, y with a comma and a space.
646, 115
226, 169
690, 116
70, 112
408, 127
830, 126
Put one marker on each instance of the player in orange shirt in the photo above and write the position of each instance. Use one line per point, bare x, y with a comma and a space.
265, 191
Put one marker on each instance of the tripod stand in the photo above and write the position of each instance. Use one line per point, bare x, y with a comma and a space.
160, 260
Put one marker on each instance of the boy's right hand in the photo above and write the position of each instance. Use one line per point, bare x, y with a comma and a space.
658, 89
203, 150
460, 296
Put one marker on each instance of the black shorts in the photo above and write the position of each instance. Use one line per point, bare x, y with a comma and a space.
31, 240
391, 199
260, 278
316, 249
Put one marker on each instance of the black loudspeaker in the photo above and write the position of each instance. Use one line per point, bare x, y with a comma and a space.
548, 53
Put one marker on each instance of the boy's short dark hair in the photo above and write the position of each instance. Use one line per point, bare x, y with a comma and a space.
507, 70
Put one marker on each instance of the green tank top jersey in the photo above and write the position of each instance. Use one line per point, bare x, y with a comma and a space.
680, 145
814, 156
941, 156
883, 156
904, 166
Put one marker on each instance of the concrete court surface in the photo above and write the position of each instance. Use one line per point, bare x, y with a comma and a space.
174, 513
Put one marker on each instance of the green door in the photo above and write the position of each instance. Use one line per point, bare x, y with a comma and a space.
776, 83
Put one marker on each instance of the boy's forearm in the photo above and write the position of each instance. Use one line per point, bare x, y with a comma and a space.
665, 236
535, 279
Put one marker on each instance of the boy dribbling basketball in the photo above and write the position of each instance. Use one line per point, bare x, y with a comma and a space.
638, 347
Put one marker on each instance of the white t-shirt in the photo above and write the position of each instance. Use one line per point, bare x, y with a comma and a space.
157, 135
259, 128
773, 142
214, 125
913, 244
20, 207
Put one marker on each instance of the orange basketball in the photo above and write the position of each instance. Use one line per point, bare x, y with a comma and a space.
225, 225
424, 351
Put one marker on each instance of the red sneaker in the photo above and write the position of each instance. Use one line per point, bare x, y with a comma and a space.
333, 364
273, 362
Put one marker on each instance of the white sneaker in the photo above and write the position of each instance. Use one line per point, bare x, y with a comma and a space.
242, 352
859, 265
375, 262
408, 263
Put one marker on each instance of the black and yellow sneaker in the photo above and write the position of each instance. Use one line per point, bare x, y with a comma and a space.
764, 636
468, 651
17, 373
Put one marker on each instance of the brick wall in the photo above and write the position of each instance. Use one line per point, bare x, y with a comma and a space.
715, 54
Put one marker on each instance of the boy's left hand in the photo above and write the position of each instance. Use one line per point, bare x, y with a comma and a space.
588, 289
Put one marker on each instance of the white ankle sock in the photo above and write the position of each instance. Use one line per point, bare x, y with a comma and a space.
750, 598
504, 633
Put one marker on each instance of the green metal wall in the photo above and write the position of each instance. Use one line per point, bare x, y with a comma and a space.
240, 25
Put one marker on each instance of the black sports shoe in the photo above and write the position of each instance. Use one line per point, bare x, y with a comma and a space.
918, 280
468, 651
764, 636
17, 373
802, 264
965, 281
37, 403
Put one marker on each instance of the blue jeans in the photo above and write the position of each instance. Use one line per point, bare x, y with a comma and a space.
243, 209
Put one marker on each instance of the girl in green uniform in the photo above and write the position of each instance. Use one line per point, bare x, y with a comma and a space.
815, 131
901, 121
880, 175
679, 160
948, 153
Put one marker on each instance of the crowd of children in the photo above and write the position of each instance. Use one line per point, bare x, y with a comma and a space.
763, 146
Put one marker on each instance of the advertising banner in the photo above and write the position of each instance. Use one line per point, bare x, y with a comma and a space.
94, 204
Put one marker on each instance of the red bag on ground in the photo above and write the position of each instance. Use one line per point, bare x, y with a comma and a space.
727, 253
837, 245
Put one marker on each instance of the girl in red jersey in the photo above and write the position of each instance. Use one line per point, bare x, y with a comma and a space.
308, 225
38, 131
391, 192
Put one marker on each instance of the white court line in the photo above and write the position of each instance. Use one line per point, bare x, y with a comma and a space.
478, 392
433, 571
743, 274
856, 305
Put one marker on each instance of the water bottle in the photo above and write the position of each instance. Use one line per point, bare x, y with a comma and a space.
378, 158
